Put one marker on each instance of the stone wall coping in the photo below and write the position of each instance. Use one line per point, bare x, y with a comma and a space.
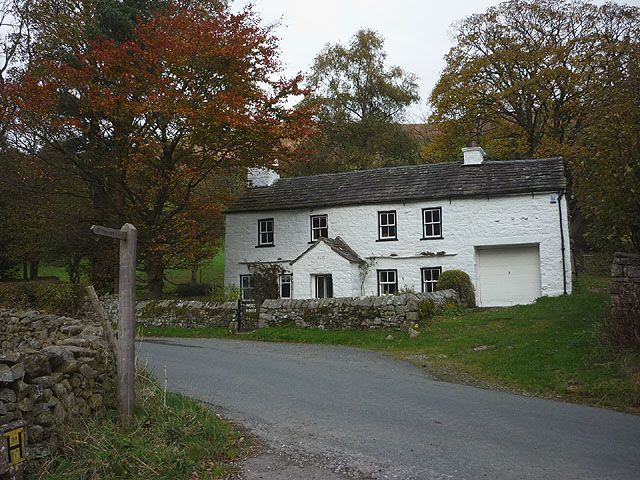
377, 301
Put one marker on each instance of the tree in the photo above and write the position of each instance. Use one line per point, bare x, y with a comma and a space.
12, 35
607, 170
515, 78
152, 123
525, 79
359, 102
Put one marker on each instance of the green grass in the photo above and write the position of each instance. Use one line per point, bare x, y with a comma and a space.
181, 439
211, 272
547, 349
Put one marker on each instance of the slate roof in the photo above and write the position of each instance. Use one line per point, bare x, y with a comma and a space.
415, 182
338, 245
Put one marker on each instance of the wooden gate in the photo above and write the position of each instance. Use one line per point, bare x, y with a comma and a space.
246, 315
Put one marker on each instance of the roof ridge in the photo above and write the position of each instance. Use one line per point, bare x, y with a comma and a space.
437, 164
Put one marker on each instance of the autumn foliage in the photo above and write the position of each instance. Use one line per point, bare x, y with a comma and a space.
160, 124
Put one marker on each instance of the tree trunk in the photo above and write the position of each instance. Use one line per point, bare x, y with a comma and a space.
155, 271
34, 270
194, 274
25, 271
104, 268
635, 238
73, 268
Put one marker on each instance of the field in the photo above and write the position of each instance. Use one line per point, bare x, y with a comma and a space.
210, 272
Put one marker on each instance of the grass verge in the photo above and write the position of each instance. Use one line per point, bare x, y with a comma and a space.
172, 437
548, 349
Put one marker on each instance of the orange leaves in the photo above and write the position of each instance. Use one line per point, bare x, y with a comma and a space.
169, 117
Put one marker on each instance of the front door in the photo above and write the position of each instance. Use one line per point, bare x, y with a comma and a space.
324, 286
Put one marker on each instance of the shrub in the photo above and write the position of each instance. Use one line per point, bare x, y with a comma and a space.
51, 297
229, 293
59, 298
426, 311
193, 289
461, 283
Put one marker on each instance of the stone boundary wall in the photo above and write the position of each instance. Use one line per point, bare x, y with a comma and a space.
52, 369
176, 313
625, 286
352, 313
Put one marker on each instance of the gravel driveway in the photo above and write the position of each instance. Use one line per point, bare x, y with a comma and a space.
334, 412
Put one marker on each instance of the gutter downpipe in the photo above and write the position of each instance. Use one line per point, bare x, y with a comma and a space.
564, 261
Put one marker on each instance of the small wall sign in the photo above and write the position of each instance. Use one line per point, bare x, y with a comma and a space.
14, 446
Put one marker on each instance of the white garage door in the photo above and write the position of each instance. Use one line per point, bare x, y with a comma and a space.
508, 275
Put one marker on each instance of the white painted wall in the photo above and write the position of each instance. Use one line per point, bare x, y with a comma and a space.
466, 224
321, 260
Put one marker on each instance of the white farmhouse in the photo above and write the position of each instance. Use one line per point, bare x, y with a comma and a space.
375, 232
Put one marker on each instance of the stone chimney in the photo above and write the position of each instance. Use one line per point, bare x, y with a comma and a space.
473, 155
261, 177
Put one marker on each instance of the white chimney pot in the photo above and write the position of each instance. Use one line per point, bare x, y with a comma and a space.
473, 155
261, 177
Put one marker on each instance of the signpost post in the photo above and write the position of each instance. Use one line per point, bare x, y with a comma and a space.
126, 316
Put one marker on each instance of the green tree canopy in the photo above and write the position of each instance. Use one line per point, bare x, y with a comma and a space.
541, 78
359, 101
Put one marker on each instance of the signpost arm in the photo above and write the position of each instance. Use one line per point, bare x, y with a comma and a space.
127, 324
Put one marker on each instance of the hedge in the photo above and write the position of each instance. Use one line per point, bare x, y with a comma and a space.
51, 297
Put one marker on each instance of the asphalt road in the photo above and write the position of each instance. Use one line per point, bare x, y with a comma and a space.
369, 415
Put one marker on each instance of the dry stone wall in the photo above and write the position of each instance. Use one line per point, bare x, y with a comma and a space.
352, 313
177, 313
52, 369
625, 287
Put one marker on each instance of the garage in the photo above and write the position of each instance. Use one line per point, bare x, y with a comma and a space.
508, 275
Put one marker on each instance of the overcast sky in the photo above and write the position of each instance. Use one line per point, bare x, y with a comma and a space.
417, 33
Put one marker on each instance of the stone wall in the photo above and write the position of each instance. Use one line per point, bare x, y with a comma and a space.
52, 369
625, 289
177, 313
352, 313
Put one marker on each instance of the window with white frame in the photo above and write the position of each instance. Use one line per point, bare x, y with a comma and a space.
430, 276
431, 223
324, 286
285, 285
387, 282
319, 227
265, 232
246, 287
387, 227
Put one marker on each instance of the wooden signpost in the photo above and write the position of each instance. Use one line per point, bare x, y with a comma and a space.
127, 235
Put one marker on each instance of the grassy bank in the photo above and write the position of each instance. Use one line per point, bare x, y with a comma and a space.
548, 349
173, 440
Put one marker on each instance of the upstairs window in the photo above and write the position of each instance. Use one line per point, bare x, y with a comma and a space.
431, 223
319, 227
265, 232
387, 282
246, 287
387, 228
430, 276
285, 286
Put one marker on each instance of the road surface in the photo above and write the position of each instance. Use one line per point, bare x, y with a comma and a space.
361, 414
